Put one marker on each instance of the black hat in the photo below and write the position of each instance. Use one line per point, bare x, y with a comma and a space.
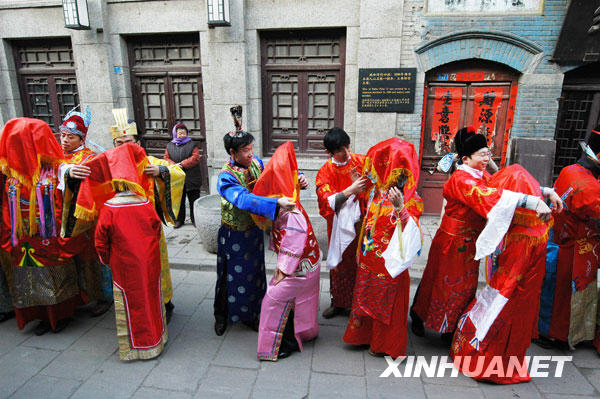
594, 140
467, 142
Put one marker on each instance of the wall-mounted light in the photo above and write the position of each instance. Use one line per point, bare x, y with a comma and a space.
218, 13
76, 14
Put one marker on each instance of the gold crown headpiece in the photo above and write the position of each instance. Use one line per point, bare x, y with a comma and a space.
122, 128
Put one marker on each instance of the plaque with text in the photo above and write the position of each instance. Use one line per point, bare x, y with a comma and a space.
386, 90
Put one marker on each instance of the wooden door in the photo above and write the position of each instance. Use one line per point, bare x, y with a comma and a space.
461, 95
167, 89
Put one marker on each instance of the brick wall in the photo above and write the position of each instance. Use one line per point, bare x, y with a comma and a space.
541, 82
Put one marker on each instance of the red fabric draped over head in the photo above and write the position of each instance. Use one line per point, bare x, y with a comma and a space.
26, 145
114, 170
389, 160
279, 179
516, 178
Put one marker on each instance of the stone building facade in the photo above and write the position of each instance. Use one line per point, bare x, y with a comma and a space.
294, 67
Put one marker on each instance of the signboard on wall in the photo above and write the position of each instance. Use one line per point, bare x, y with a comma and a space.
460, 7
386, 90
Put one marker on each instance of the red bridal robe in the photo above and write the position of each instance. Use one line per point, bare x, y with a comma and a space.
127, 238
449, 281
502, 319
569, 310
380, 307
332, 179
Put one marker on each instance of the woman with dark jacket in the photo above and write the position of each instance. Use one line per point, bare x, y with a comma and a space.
183, 152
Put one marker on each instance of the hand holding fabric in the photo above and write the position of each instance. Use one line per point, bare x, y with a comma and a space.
358, 186
396, 197
79, 172
286, 204
543, 212
152, 170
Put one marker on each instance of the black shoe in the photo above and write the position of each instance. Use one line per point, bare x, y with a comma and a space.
61, 325
177, 225
101, 308
283, 355
332, 311
447, 337
169, 310
42, 328
416, 325
543, 342
6, 316
220, 327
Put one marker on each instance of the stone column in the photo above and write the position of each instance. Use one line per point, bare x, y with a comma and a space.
91, 51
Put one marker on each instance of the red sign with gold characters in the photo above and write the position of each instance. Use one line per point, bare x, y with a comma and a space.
446, 114
487, 100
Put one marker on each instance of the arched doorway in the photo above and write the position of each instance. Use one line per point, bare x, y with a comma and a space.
578, 113
471, 92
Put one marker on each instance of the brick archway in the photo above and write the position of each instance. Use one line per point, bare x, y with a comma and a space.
513, 51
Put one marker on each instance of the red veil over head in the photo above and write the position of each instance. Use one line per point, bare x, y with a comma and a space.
117, 169
279, 179
391, 159
29, 157
516, 178
26, 145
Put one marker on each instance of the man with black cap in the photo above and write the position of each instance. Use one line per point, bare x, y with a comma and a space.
476, 218
568, 309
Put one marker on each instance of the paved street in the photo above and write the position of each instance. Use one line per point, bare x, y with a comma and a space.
82, 361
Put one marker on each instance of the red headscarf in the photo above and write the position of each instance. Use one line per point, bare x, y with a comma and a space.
25, 145
516, 178
390, 159
279, 179
117, 169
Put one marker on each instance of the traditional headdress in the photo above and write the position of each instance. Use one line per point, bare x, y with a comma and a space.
77, 122
123, 127
467, 141
279, 179
29, 157
114, 170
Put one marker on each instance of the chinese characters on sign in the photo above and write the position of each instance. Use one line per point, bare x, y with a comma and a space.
487, 100
446, 114
483, 6
386, 90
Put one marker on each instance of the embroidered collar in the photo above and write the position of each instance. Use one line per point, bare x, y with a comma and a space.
478, 174
337, 163
81, 147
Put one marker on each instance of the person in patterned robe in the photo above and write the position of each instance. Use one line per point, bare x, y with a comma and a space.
339, 184
501, 321
568, 311
127, 238
390, 240
241, 282
475, 220
169, 181
94, 277
288, 315
39, 266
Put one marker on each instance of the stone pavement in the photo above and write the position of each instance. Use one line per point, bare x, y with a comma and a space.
82, 361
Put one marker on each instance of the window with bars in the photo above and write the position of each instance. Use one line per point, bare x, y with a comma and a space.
47, 81
303, 87
167, 89
578, 114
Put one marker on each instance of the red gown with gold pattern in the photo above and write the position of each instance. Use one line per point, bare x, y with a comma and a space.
502, 320
380, 307
449, 281
332, 179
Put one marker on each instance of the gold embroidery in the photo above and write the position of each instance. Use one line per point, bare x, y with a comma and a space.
584, 246
480, 192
